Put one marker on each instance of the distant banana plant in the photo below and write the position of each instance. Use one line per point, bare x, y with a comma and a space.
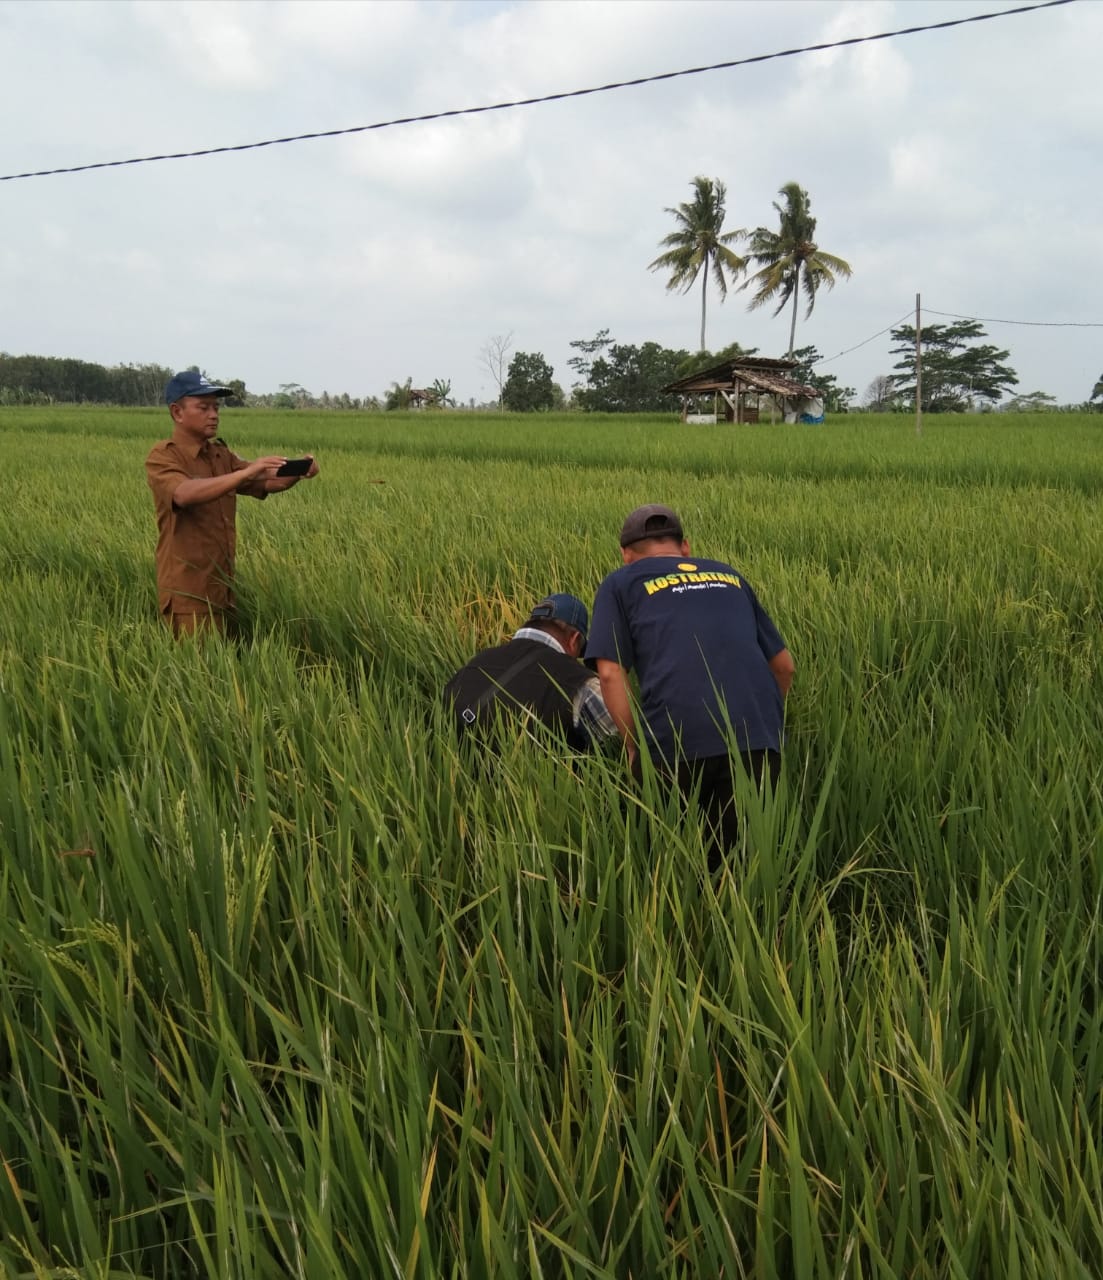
441, 389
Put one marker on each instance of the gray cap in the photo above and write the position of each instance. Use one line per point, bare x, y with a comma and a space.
651, 521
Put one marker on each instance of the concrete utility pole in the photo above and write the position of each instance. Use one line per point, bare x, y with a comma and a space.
918, 373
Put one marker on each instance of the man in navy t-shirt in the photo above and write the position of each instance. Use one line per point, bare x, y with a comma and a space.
712, 667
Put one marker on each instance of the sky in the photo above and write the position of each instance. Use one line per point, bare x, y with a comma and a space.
963, 165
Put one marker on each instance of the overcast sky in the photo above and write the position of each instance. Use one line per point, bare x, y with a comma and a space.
965, 165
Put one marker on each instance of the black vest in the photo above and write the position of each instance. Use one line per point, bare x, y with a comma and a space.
520, 674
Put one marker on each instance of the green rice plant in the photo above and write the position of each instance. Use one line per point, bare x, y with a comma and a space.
289, 988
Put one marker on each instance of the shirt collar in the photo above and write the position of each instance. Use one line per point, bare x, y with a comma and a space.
533, 633
192, 448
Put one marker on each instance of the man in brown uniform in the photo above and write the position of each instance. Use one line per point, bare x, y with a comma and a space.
195, 480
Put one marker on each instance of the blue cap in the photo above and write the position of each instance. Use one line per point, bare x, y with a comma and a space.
190, 383
561, 607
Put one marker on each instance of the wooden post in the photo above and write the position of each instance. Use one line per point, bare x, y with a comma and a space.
918, 373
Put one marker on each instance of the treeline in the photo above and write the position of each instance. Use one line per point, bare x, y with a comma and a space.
50, 379
611, 377
59, 380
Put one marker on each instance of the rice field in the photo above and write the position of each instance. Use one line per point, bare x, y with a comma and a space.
289, 991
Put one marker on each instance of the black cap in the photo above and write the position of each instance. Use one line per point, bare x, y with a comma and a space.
651, 521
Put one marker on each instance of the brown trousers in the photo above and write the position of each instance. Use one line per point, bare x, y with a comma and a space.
190, 624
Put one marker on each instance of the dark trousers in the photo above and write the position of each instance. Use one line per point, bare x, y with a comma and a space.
712, 780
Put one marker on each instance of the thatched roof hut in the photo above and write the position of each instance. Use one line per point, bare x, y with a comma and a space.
743, 383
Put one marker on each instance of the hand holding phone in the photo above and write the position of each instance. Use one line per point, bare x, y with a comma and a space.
295, 467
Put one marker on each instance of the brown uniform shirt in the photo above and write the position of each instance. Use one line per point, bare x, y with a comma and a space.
196, 544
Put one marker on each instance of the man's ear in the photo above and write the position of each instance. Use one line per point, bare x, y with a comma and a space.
627, 555
685, 548
576, 643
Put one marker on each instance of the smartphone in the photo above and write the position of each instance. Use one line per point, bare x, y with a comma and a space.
295, 467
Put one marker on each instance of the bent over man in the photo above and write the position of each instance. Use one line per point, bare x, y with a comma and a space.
712, 667
536, 676
195, 481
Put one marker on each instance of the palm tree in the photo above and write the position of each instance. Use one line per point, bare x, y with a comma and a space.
700, 244
398, 395
790, 260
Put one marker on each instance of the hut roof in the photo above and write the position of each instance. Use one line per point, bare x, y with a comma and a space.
759, 372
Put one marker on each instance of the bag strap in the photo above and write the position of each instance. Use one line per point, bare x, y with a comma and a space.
497, 686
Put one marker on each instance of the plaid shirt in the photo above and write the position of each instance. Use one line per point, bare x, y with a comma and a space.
591, 716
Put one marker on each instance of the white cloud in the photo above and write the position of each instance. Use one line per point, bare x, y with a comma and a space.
962, 164
213, 44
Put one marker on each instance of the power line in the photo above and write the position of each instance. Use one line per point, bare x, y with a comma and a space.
828, 359
908, 315
1040, 324
551, 97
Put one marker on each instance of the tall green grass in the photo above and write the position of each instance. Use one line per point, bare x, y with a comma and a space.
289, 990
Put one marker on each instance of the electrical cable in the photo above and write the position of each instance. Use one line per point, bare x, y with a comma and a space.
551, 97
828, 359
1041, 324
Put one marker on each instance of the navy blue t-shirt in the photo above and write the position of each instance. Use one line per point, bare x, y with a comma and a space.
700, 644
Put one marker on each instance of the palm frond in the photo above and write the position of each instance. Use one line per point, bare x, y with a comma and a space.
699, 242
789, 258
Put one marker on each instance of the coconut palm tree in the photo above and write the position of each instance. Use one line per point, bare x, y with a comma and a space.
790, 259
399, 395
700, 244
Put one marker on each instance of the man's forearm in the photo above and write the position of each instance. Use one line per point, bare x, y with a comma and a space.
783, 668
192, 493
614, 690
252, 478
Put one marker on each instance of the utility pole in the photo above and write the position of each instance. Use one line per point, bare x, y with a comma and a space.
918, 373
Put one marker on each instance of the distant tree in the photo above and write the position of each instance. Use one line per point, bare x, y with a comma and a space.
397, 395
588, 349
240, 396
836, 398
699, 245
442, 392
881, 394
1097, 392
293, 396
1031, 402
629, 379
619, 377
528, 384
954, 372
790, 260
494, 358
706, 359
